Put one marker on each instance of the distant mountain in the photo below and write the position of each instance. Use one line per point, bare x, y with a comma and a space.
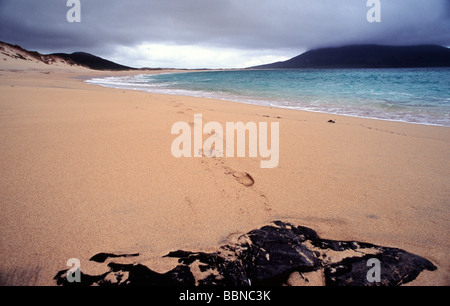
368, 56
92, 61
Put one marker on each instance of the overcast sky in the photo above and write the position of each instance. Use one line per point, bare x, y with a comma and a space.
217, 33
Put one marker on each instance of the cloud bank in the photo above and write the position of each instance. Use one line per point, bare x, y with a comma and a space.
217, 33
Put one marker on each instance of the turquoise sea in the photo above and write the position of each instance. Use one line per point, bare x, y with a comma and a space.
409, 95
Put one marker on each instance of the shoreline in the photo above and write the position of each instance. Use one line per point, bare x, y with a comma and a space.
246, 100
90, 170
281, 107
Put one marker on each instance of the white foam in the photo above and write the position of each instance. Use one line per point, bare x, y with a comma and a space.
143, 83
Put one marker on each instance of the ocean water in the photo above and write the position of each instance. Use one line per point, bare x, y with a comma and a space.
409, 95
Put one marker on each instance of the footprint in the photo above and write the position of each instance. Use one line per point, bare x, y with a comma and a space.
244, 178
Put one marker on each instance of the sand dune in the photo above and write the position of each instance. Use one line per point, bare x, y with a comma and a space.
15, 58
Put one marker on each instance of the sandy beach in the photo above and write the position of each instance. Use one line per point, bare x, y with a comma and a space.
87, 169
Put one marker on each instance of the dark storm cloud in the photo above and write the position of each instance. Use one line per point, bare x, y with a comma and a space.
242, 24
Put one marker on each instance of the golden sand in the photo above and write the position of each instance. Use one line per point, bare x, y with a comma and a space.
86, 169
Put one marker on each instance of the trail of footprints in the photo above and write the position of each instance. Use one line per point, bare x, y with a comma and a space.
210, 160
